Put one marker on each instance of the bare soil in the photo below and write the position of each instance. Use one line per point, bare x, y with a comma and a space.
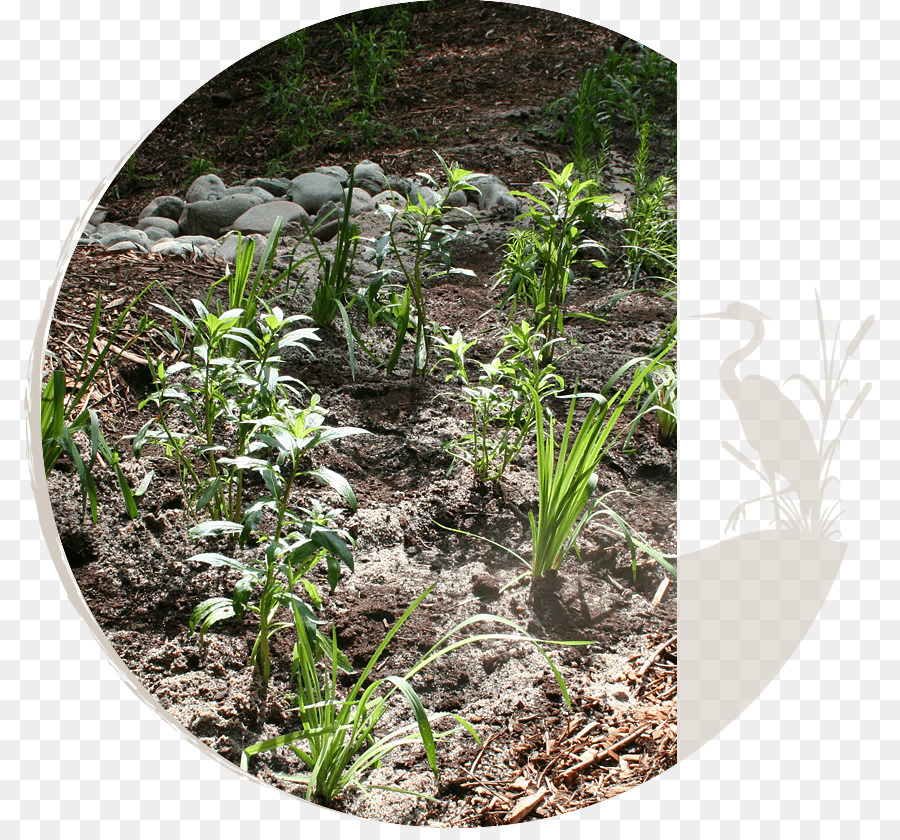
477, 81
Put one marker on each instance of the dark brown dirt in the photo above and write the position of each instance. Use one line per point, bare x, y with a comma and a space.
477, 84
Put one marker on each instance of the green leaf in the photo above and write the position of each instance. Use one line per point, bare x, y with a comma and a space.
215, 528
421, 717
337, 482
402, 325
208, 613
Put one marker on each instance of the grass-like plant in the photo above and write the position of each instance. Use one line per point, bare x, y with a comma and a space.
626, 87
650, 237
339, 736
429, 239
539, 270
335, 276
372, 59
65, 414
567, 478
502, 412
658, 393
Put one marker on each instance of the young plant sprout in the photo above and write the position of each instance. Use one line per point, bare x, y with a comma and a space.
340, 739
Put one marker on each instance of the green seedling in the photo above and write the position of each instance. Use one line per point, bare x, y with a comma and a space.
207, 406
294, 542
339, 736
539, 267
64, 413
502, 413
428, 238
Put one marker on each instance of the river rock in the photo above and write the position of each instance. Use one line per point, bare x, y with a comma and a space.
328, 221
261, 219
276, 186
215, 218
369, 176
164, 222
138, 237
99, 215
110, 227
127, 245
227, 249
186, 246
361, 202
458, 198
259, 192
205, 188
312, 189
494, 196
335, 172
399, 184
430, 196
391, 198
155, 234
165, 206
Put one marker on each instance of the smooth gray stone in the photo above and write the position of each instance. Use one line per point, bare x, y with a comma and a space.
276, 186
369, 176
167, 206
138, 237
199, 241
98, 215
110, 227
261, 219
227, 248
399, 184
458, 198
335, 172
361, 202
312, 189
394, 199
174, 248
494, 196
259, 192
215, 218
205, 188
328, 221
127, 245
167, 224
431, 196
155, 234
185, 246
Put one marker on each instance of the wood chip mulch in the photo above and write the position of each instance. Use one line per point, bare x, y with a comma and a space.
119, 277
596, 754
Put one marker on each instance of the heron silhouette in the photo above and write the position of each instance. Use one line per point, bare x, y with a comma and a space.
772, 424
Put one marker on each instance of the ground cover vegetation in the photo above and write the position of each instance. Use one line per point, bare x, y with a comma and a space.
261, 390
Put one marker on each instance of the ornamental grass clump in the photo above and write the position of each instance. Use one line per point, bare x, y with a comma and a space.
567, 479
339, 742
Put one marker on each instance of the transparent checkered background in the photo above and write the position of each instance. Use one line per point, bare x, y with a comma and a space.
788, 186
